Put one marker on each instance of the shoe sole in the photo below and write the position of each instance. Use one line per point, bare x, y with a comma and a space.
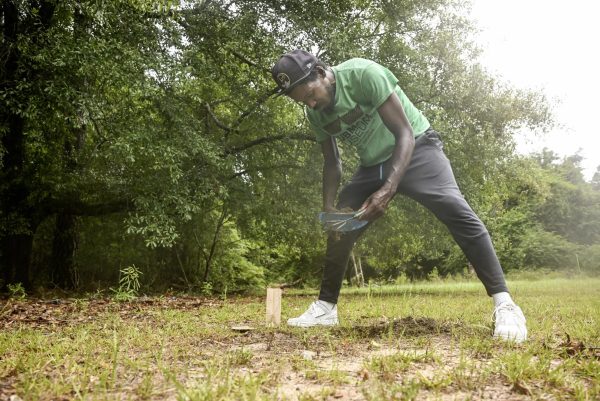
505, 337
307, 325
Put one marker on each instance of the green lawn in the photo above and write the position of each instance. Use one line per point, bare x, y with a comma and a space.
422, 341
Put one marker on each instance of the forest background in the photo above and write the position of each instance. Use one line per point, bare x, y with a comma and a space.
142, 138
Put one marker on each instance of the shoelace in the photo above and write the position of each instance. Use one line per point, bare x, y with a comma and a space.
504, 307
317, 310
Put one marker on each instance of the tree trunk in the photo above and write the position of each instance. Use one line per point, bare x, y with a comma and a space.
16, 242
19, 219
15, 259
213, 246
63, 271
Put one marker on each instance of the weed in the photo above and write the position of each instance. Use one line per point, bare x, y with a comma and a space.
221, 385
433, 275
145, 388
468, 375
129, 284
406, 391
388, 367
206, 289
224, 294
16, 291
332, 376
436, 382
308, 397
479, 347
240, 357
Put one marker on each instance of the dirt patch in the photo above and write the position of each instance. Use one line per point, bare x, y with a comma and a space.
407, 326
347, 373
40, 312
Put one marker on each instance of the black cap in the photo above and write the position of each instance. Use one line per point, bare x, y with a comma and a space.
292, 69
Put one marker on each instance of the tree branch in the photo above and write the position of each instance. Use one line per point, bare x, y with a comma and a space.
265, 168
79, 208
248, 61
260, 101
216, 119
269, 139
287, 285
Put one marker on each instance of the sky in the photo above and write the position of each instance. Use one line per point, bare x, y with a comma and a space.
554, 46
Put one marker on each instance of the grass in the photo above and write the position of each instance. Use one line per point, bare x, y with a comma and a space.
413, 341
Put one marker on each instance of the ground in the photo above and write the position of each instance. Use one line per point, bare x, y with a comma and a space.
429, 341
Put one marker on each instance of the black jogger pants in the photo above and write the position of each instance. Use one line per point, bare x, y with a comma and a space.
430, 181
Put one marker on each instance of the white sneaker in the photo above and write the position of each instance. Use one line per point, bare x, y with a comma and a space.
317, 314
509, 323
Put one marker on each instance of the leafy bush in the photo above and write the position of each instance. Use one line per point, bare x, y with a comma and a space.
589, 259
232, 270
545, 249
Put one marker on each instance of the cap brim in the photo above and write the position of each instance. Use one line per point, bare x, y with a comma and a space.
280, 91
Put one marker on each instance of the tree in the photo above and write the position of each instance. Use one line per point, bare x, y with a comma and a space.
19, 219
596, 179
85, 111
161, 116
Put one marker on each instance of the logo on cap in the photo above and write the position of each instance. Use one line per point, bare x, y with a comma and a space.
283, 79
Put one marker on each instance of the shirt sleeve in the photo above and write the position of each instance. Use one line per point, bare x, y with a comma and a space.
377, 83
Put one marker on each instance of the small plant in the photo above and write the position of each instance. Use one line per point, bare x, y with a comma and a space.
206, 289
333, 376
241, 357
129, 284
224, 294
433, 275
401, 279
16, 291
388, 368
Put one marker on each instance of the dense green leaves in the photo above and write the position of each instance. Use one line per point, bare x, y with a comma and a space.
151, 125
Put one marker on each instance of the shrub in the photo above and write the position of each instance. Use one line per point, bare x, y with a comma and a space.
589, 259
545, 249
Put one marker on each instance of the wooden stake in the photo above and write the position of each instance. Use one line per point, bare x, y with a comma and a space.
274, 306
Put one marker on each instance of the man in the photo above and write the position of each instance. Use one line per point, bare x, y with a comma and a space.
360, 102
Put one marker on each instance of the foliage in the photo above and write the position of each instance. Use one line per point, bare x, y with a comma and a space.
129, 284
16, 291
233, 271
148, 130
588, 259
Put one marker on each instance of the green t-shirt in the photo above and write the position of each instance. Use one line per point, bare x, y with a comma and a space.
361, 87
